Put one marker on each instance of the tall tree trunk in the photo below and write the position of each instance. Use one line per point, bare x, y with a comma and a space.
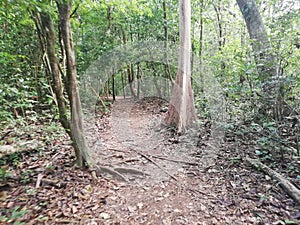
123, 83
201, 28
181, 112
139, 77
264, 58
129, 69
217, 9
221, 36
166, 34
113, 87
77, 134
52, 65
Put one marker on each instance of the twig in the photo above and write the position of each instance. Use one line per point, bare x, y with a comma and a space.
118, 150
39, 180
7, 133
126, 161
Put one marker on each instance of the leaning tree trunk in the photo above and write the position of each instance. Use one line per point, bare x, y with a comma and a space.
262, 49
47, 38
77, 134
181, 112
264, 58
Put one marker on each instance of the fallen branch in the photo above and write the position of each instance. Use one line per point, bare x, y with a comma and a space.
286, 185
6, 150
40, 181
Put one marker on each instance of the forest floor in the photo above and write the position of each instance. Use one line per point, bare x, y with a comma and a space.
189, 179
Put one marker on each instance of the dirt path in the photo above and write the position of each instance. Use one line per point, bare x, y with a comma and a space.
44, 187
136, 136
213, 192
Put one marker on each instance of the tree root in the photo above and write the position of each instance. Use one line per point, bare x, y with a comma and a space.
286, 185
100, 170
131, 171
117, 172
156, 164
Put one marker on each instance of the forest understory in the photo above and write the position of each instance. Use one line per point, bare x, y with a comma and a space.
168, 179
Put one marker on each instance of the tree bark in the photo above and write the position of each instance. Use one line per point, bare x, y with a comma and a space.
166, 34
181, 112
77, 134
52, 64
264, 58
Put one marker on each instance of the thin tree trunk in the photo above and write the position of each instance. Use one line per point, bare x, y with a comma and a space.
113, 86
139, 76
219, 23
167, 67
129, 70
77, 134
123, 84
52, 64
201, 46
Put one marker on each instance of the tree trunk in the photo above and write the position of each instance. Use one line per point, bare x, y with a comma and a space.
181, 112
264, 58
123, 83
52, 65
113, 87
166, 34
139, 77
77, 134
201, 28
129, 69
217, 9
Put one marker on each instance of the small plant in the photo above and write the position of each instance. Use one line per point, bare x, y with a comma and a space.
4, 174
14, 217
26, 176
31, 191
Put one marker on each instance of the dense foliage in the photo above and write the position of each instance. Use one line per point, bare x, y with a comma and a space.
222, 54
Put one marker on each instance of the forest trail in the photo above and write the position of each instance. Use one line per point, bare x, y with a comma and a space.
185, 183
136, 137
170, 179
175, 190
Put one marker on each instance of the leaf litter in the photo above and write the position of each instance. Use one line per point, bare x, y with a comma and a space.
45, 187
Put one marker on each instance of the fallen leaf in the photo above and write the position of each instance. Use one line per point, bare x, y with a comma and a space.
104, 216
74, 209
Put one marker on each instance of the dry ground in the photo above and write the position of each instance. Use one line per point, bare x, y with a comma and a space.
185, 180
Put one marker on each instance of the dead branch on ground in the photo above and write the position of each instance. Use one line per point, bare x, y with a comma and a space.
286, 185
